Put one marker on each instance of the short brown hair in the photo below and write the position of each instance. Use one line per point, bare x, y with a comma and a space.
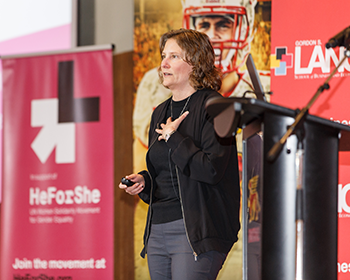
199, 53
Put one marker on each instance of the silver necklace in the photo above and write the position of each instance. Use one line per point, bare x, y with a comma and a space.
183, 109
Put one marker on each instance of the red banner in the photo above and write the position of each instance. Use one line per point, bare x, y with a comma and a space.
57, 210
300, 64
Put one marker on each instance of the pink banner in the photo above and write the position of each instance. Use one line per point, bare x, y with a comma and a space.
57, 210
300, 64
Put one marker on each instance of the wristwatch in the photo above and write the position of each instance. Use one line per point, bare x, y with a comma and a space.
167, 136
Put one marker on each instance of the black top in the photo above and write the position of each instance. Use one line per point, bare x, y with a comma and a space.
166, 207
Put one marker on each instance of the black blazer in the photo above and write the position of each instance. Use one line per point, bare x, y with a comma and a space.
207, 174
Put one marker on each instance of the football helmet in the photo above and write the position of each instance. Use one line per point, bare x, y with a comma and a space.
232, 49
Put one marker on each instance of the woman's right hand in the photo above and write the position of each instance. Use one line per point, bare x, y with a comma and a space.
137, 187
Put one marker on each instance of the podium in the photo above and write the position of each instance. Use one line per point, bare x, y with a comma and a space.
322, 140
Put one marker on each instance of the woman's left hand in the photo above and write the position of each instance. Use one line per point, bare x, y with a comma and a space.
170, 126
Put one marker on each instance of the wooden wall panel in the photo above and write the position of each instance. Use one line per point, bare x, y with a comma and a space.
124, 203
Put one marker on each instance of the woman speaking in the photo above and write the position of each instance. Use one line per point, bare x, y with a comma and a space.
192, 181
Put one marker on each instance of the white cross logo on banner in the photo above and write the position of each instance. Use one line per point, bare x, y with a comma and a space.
58, 116
44, 113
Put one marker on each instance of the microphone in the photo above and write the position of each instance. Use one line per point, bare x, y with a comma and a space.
259, 95
341, 39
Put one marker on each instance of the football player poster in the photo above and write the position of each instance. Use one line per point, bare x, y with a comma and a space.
155, 17
57, 209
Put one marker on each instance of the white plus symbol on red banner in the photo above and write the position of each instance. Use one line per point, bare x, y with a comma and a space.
57, 117
53, 134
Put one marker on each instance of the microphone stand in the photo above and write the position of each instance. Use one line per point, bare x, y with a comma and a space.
297, 128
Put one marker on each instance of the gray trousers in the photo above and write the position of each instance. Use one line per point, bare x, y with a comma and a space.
170, 256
